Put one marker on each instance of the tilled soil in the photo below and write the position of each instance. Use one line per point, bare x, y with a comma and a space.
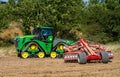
12, 66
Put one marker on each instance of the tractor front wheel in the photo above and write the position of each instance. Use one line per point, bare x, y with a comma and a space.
24, 55
53, 54
82, 59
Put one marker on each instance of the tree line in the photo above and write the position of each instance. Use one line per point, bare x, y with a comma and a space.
96, 20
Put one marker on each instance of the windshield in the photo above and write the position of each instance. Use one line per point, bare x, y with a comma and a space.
42, 31
46, 32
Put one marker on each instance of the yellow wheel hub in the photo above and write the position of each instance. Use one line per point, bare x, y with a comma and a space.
53, 55
41, 54
60, 47
33, 47
24, 55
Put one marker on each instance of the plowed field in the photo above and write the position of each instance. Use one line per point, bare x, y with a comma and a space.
12, 66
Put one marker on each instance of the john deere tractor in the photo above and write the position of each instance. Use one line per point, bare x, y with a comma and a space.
41, 43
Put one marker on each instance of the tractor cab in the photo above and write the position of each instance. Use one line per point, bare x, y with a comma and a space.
43, 33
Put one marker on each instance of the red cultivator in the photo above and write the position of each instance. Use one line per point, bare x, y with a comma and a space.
83, 52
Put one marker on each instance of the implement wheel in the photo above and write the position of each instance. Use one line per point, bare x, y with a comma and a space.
24, 55
41, 54
53, 54
105, 57
82, 59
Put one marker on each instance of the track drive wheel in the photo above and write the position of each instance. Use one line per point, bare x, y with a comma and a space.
41, 54
82, 59
105, 57
60, 47
53, 54
33, 47
24, 55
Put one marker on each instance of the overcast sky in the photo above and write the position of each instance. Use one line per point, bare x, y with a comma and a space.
4, 0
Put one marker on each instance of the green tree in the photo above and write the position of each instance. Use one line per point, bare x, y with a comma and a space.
95, 19
11, 2
58, 13
111, 18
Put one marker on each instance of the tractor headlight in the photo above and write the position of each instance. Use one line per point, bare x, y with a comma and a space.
16, 40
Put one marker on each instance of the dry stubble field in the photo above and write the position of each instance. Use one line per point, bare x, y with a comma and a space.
12, 66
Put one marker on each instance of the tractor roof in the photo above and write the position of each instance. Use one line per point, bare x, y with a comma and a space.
45, 27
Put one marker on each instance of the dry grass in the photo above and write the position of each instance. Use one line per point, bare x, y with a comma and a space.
13, 30
4, 51
115, 49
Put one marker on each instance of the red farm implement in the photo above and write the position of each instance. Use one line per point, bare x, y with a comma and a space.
84, 52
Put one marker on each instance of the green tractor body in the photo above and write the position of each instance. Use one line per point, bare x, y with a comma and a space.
40, 43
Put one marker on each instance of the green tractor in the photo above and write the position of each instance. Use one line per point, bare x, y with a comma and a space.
41, 43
